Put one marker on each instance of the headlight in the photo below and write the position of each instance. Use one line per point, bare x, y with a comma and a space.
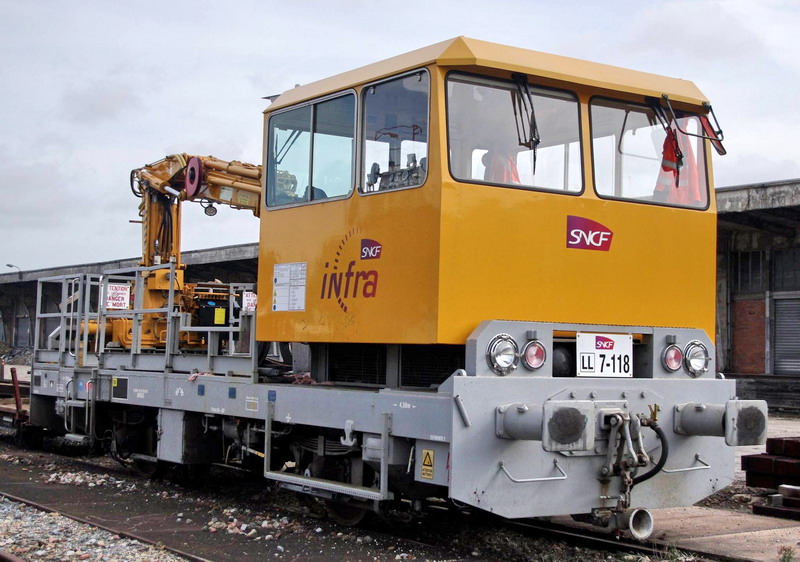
672, 358
696, 358
502, 354
533, 355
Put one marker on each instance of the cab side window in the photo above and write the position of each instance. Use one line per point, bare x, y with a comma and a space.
395, 153
310, 152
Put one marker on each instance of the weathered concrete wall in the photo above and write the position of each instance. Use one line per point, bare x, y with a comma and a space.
772, 195
781, 393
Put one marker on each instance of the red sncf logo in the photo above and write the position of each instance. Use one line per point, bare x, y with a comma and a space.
601, 342
586, 234
370, 249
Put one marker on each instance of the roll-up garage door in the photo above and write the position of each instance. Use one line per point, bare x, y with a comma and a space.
787, 337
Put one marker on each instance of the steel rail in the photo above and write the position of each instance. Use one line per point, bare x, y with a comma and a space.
583, 536
595, 539
120, 532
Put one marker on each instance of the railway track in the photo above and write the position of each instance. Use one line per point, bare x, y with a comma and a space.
116, 530
605, 541
7, 389
441, 536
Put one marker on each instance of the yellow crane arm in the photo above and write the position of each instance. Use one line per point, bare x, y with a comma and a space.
163, 185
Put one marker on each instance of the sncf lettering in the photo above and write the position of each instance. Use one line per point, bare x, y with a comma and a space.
603, 343
591, 238
370, 249
586, 234
370, 253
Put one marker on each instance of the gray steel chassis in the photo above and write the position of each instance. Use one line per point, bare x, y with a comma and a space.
462, 436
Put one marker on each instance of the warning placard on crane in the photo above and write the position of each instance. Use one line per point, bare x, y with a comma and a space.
249, 301
426, 470
118, 296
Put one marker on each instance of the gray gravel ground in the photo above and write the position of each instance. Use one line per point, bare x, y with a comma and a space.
262, 524
31, 534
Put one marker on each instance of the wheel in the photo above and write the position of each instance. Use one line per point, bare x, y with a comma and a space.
345, 514
19, 435
28, 436
197, 475
147, 469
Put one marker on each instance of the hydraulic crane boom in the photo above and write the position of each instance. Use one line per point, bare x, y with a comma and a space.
163, 185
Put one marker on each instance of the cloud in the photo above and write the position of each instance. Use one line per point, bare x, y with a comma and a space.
100, 101
753, 167
97, 89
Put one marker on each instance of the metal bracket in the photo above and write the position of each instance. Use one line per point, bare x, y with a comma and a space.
348, 440
563, 476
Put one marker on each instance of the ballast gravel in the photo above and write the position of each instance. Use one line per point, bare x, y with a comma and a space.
31, 534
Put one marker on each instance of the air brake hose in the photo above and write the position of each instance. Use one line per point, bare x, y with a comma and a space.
661, 461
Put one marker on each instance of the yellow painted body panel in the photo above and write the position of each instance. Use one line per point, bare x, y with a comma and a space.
403, 307
465, 52
504, 256
456, 254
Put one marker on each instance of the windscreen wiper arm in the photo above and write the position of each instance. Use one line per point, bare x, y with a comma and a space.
672, 136
530, 138
280, 152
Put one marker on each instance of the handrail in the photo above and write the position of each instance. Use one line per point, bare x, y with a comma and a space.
563, 476
705, 466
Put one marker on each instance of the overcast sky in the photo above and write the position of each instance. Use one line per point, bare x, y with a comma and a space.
92, 89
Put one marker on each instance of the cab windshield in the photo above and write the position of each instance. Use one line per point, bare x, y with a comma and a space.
637, 158
508, 133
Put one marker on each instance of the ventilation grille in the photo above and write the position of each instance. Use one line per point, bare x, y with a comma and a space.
357, 363
429, 365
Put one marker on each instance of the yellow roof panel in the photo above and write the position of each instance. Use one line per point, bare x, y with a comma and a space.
463, 51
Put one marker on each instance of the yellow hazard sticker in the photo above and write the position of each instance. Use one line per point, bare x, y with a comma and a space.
114, 382
427, 464
219, 315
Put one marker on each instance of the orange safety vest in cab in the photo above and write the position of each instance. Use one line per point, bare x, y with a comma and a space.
677, 178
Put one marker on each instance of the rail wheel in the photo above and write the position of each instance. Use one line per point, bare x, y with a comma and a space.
147, 469
197, 475
345, 514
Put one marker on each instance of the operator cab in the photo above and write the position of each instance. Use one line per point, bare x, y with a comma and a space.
413, 199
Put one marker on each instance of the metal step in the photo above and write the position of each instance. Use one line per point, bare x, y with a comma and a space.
75, 403
327, 485
78, 438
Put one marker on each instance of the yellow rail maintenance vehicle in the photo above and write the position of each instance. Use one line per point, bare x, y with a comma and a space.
495, 268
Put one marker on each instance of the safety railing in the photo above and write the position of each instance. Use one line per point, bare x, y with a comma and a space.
66, 317
229, 346
76, 324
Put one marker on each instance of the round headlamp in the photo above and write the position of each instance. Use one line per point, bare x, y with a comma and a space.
533, 355
502, 354
672, 358
696, 358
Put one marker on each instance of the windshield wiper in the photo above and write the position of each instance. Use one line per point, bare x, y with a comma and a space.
281, 152
524, 102
672, 136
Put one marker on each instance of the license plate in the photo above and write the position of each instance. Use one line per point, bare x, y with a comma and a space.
605, 355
